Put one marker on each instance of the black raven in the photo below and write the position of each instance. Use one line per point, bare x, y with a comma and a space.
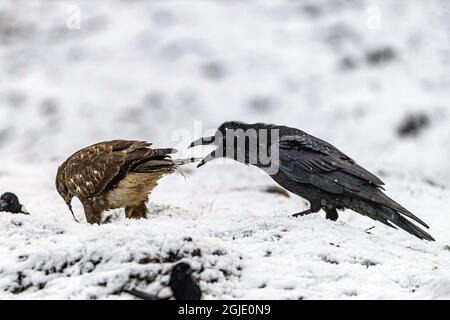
9, 202
181, 283
312, 169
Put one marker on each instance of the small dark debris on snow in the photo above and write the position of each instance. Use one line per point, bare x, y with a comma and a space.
147, 260
433, 183
173, 257
311, 10
336, 245
368, 229
49, 107
413, 125
22, 258
16, 99
348, 63
261, 103
368, 263
289, 288
226, 273
213, 71
351, 293
219, 253
327, 259
5, 134
383, 173
380, 56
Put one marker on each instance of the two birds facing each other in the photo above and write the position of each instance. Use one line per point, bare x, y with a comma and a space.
121, 174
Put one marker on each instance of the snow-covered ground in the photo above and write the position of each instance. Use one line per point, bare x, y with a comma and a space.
350, 72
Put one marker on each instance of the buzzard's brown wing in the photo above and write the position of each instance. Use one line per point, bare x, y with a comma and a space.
93, 170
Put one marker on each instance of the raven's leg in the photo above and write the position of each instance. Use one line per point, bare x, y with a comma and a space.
313, 209
331, 214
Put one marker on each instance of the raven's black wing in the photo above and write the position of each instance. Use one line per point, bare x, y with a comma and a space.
315, 155
306, 159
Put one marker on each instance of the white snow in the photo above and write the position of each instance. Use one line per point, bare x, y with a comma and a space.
154, 70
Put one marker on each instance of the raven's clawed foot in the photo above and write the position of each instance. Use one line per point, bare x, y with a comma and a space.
303, 213
331, 214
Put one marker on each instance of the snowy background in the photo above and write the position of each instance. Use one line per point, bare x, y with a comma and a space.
372, 78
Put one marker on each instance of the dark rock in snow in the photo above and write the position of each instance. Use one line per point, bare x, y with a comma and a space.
413, 125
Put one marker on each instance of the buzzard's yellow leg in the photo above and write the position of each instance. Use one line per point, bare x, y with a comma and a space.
93, 215
136, 212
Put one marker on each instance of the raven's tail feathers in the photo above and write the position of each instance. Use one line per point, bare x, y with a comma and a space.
389, 216
410, 227
382, 199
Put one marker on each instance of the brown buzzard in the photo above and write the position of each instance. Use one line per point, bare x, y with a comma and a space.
114, 174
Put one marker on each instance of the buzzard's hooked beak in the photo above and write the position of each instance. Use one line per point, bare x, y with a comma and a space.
69, 204
204, 142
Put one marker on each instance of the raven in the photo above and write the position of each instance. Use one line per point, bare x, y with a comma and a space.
9, 202
313, 169
181, 283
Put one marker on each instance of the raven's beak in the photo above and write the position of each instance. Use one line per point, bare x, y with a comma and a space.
24, 210
204, 142
3, 205
208, 158
190, 271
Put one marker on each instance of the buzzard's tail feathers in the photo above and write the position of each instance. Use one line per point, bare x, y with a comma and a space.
163, 152
155, 165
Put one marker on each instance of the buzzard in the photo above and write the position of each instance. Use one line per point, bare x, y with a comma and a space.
114, 174
313, 169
